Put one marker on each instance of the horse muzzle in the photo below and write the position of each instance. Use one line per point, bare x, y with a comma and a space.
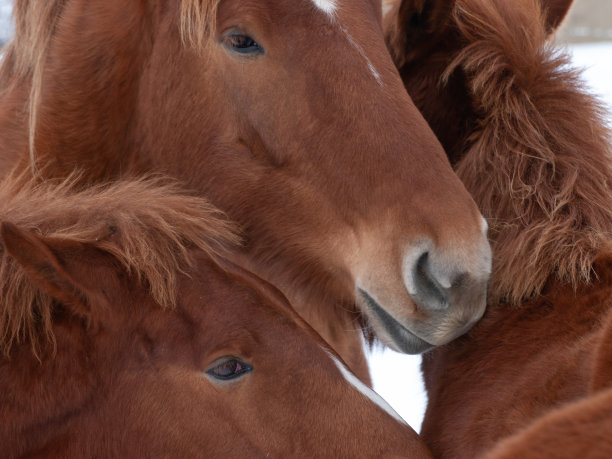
438, 297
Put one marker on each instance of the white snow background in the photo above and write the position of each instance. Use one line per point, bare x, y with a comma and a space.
397, 377
6, 27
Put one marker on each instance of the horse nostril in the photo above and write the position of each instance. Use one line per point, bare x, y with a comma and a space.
430, 291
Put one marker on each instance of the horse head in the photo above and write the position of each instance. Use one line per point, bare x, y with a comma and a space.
292, 119
147, 341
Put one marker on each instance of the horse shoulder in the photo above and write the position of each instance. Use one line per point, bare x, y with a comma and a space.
579, 429
602, 359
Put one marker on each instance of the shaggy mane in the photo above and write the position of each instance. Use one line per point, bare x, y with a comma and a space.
538, 165
35, 24
147, 225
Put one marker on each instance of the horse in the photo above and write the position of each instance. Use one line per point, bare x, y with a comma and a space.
124, 332
578, 428
288, 116
532, 147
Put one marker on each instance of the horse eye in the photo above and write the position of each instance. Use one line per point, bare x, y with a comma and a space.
229, 369
242, 44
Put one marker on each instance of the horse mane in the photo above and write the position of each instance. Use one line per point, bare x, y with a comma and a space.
197, 21
35, 25
147, 225
538, 164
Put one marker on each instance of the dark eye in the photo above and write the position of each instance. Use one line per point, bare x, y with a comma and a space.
242, 44
229, 368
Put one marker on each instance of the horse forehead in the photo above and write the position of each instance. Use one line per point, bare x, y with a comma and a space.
329, 7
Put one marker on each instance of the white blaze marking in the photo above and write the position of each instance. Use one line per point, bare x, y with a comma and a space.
360, 50
327, 6
365, 390
375, 73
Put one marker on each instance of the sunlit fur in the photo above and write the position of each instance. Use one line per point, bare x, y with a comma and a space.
533, 149
197, 24
115, 302
286, 142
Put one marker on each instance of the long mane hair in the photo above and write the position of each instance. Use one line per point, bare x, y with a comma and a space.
538, 163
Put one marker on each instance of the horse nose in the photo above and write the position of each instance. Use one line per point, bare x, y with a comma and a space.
428, 288
448, 286
422, 292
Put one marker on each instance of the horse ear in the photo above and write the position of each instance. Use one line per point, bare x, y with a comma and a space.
555, 12
40, 258
413, 27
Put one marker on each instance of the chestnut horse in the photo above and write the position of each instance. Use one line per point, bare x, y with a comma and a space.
292, 119
124, 333
579, 428
532, 148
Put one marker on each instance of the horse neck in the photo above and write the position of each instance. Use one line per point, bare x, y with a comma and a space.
13, 124
88, 125
76, 109
538, 164
602, 367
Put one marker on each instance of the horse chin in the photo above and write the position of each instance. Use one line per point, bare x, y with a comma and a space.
389, 330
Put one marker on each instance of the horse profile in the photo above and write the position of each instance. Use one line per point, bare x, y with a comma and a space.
124, 332
532, 147
288, 116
